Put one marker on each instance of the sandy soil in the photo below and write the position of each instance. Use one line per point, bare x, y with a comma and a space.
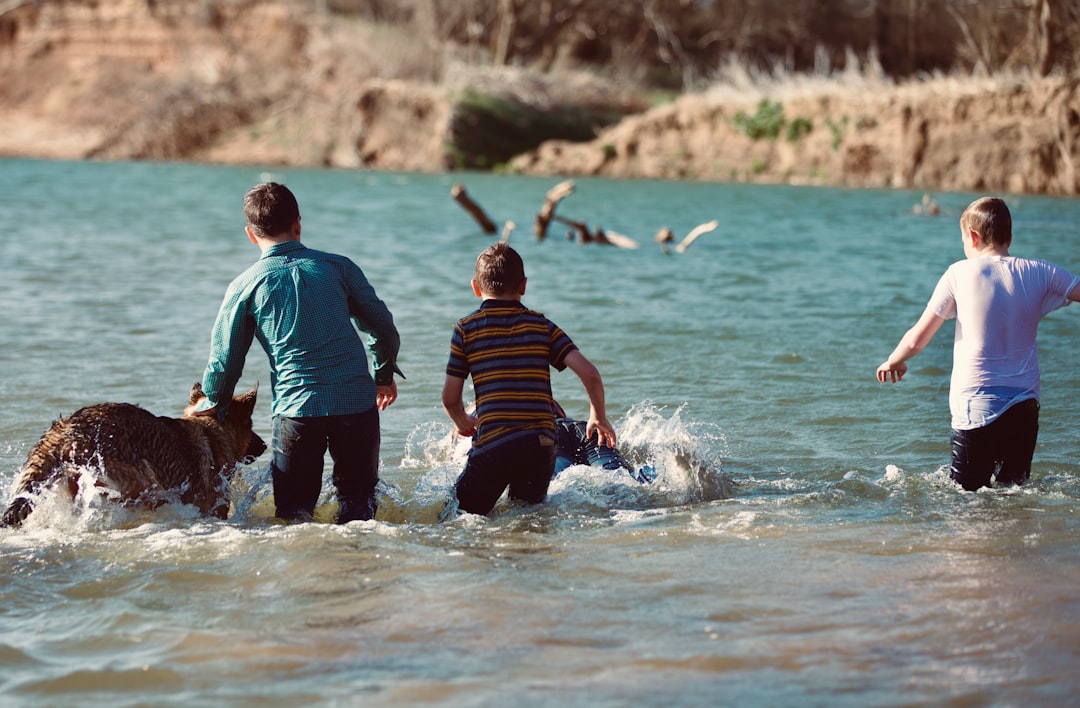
127, 79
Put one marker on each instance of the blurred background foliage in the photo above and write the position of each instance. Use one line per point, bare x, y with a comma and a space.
678, 45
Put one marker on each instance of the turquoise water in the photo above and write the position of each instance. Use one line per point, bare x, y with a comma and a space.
802, 545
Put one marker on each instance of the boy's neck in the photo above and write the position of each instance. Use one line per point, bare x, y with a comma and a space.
976, 247
265, 243
993, 251
513, 296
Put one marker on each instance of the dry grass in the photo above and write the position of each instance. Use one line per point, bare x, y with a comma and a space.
354, 49
735, 82
542, 90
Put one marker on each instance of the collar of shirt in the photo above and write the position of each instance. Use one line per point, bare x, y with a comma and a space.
501, 303
282, 248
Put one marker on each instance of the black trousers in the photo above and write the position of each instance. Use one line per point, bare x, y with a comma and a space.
296, 466
1005, 445
525, 465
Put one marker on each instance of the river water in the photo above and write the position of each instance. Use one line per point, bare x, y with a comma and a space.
802, 544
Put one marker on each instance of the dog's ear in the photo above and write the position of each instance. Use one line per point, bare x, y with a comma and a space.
248, 399
196, 393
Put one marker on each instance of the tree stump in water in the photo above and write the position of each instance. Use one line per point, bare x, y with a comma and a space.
462, 197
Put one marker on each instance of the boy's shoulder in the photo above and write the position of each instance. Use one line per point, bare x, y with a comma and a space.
316, 254
498, 310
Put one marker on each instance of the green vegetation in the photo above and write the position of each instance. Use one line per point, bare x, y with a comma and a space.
765, 124
837, 129
488, 130
799, 129
768, 122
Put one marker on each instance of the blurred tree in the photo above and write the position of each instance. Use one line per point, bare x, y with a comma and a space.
680, 44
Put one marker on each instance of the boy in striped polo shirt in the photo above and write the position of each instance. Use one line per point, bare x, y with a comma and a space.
508, 350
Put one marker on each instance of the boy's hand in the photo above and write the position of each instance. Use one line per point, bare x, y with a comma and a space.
385, 395
469, 430
190, 410
605, 434
888, 371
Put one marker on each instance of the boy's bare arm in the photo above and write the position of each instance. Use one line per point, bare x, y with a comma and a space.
913, 342
594, 387
464, 423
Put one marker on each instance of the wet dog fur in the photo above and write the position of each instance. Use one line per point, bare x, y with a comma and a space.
140, 456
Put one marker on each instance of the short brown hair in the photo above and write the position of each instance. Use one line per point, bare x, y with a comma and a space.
989, 217
270, 209
499, 270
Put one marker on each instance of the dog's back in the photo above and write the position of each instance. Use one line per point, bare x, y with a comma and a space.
139, 455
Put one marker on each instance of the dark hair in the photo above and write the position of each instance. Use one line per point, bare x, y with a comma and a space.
991, 219
270, 209
499, 270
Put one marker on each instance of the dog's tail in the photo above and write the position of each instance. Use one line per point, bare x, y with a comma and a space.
44, 467
17, 512
35, 480
20, 507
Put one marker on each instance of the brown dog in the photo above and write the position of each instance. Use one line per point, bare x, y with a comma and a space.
141, 456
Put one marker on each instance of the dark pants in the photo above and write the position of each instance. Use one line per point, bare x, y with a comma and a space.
525, 465
297, 463
1007, 445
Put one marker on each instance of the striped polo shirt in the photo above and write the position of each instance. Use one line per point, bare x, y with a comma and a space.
508, 350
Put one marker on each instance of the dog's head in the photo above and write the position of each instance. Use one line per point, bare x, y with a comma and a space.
237, 421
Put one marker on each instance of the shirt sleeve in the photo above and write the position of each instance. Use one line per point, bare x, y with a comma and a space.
234, 330
561, 345
374, 319
1061, 283
943, 301
458, 365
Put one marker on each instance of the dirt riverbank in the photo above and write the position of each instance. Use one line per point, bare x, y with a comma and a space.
254, 83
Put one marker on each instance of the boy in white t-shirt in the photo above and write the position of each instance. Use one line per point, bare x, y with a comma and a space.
997, 301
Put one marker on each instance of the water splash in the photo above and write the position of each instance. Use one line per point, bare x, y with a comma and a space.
686, 455
251, 493
683, 457
97, 507
432, 444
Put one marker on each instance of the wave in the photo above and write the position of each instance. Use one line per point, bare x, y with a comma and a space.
683, 459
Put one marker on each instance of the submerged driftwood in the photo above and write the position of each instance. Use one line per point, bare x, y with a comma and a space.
665, 236
462, 197
551, 201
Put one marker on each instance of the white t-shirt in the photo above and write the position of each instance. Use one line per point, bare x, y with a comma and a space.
997, 302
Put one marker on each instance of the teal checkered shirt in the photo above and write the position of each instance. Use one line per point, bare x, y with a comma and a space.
302, 304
